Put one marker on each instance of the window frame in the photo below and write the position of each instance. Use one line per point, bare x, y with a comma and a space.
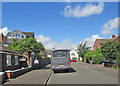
7, 60
10, 36
16, 60
14, 35
22, 36
19, 35
59, 53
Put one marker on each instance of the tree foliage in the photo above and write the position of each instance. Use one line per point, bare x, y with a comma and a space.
83, 49
28, 45
89, 55
94, 56
111, 50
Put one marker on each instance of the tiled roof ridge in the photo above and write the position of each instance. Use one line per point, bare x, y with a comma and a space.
19, 30
102, 39
27, 32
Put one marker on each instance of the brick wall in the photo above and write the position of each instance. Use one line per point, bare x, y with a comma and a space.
3, 38
13, 66
0, 62
43, 62
0, 38
96, 46
23, 64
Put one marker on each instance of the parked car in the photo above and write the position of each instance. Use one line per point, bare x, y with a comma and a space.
73, 60
106, 61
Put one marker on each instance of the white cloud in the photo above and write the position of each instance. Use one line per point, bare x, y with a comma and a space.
42, 39
4, 31
65, 44
68, 0
91, 40
79, 11
109, 26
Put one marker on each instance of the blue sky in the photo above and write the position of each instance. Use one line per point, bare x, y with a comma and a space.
61, 23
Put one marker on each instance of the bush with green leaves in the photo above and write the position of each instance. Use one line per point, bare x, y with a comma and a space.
95, 56
111, 50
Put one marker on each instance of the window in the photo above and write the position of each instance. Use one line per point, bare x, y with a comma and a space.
22, 36
9, 36
13, 35
73, 54
8, 60
19, 35
16, 35
60, 53
16, 60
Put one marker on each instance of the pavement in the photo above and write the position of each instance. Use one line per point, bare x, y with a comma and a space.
106, 70
39, 76
82, 73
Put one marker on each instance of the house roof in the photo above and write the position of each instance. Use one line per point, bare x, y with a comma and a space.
104, 40
6, 49
75, 50
101, 40
28, 34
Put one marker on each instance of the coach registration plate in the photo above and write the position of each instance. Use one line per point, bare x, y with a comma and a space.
61, 65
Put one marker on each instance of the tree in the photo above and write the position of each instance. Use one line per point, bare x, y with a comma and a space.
98, 56
94, 56
28, 45
83, 49
110, 50
118, 57
89, 55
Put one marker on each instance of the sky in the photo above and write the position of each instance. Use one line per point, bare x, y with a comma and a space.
62, 24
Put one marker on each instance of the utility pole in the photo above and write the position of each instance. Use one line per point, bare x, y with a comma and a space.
1, 34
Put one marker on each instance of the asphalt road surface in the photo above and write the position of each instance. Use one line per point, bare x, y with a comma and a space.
81, 74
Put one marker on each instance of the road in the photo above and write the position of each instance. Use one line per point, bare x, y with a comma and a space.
81, 74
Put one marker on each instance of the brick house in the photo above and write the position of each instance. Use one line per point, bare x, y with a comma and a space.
9, 59
3, 40
97, 43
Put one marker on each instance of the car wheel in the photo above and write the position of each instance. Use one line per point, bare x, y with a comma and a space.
67, 70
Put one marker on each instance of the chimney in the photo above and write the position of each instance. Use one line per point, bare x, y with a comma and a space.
53, 48
113, 36
1, 37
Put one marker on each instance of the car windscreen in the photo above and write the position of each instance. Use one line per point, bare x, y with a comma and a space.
60, 53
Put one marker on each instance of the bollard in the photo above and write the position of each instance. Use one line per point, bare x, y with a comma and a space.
115, 65
119, 65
